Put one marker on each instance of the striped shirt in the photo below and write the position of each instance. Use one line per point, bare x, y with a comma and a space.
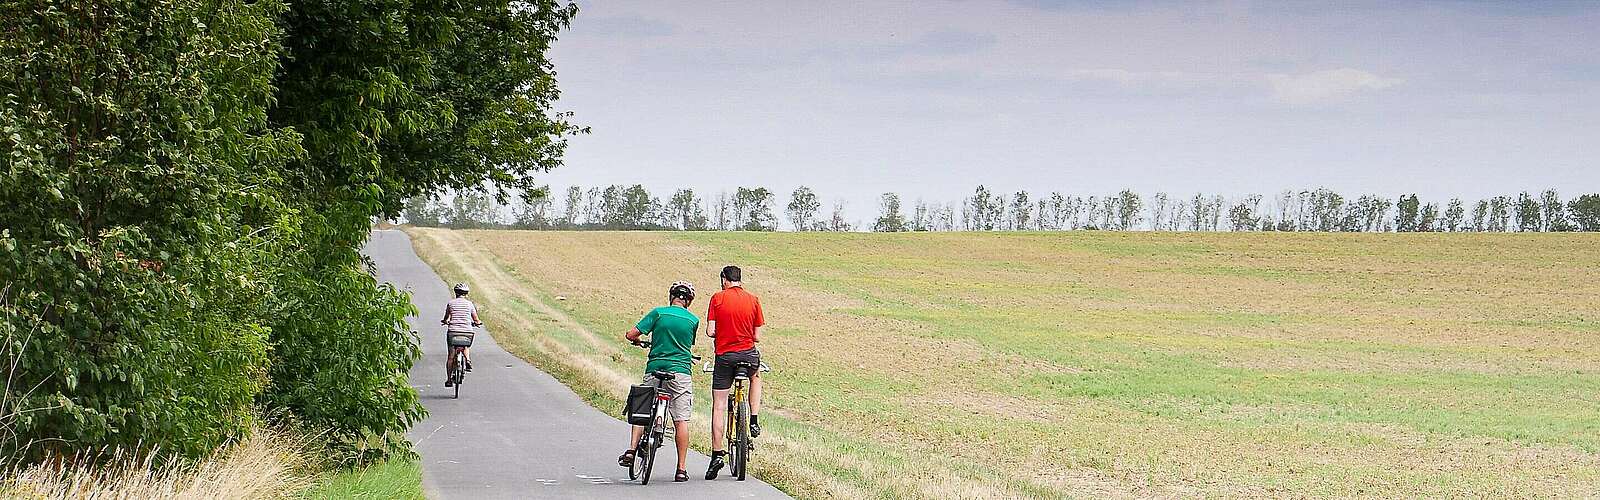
458, 315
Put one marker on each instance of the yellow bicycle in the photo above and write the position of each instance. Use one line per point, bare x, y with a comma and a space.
738, 430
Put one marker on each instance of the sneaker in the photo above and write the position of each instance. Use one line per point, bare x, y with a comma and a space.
469, 366
716, 464
626, 460
448, 383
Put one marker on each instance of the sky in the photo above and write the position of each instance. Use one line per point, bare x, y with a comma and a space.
930, 98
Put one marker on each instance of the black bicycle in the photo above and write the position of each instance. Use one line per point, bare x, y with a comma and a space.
655, 434
457, 369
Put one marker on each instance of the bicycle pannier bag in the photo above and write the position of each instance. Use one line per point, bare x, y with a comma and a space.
460, 340
641, 399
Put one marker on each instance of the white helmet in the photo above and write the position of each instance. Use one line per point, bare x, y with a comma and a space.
462, 288
681, 289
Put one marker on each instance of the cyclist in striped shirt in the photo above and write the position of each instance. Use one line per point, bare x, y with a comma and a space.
460, 316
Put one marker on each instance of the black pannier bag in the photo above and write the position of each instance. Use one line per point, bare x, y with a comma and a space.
641, 399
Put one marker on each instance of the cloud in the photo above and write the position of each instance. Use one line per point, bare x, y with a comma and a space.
1321, 86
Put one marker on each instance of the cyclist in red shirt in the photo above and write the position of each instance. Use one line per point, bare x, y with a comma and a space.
735, 320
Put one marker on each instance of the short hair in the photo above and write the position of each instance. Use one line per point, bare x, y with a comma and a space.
732, 273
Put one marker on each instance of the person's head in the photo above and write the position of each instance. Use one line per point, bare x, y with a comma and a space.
680, 293
732, 276
461, 289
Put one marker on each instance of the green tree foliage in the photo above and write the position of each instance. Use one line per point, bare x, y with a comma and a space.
1021, 211
1428, 218
1585, 212
1242, 217
1128, 207
131, 135
196, 178
1553, 212
1527, 213
753, 210
1454, 214
1406, 216
802, 208
890, 220
979, 210
685, 211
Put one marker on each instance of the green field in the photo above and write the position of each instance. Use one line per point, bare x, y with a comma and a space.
1107, 364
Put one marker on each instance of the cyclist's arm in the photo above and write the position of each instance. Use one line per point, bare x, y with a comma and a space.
633, 335
446, 318
475, 319
711, 328
756, 337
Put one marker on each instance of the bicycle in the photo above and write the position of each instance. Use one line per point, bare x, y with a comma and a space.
457, 369
738, 421
644, 451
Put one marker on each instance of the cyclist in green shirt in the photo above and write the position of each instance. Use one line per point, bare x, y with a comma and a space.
672, 330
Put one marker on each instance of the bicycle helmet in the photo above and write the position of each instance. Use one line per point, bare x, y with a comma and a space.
682, 289
462, 288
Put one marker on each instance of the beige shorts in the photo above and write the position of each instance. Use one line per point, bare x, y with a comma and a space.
681, 406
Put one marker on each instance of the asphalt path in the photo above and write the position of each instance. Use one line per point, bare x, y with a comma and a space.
517, 432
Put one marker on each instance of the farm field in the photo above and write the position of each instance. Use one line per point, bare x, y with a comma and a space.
1104, 364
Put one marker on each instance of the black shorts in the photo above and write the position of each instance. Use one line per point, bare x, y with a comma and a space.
722, 375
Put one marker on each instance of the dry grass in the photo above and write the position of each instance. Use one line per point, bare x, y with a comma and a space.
267, 465
1111, 364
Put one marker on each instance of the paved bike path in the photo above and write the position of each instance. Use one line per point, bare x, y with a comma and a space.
517, 432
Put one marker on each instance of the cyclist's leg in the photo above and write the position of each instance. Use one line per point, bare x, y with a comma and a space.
755, 394
719, 417
721, 382
681, 428
634, 435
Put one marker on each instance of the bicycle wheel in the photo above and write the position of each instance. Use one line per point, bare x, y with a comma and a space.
456, 374
648, 456
741, 453
638, 456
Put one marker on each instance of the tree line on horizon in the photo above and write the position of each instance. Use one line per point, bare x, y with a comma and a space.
618, 207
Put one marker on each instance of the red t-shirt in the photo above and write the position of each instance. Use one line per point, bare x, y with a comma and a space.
737, 314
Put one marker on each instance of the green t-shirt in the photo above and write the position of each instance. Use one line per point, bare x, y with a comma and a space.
671, 330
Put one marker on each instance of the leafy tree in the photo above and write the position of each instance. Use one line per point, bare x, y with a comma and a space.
723, 210
421, 211
1021, 211
472, 209
1553, 212
802, 209
574, 206
685, 211
753, 210
837, 222
1405, 219
135, 146
1500, 213
1128, 208
1480, 216
922, 218
533, 213
980, 209
203, 170
1454, 215
1242, 217
1326, 211
1528, 216
1585, 212
1158, 211
1429, 215
889, 218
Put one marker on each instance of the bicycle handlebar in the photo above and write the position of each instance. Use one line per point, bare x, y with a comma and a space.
645, 344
